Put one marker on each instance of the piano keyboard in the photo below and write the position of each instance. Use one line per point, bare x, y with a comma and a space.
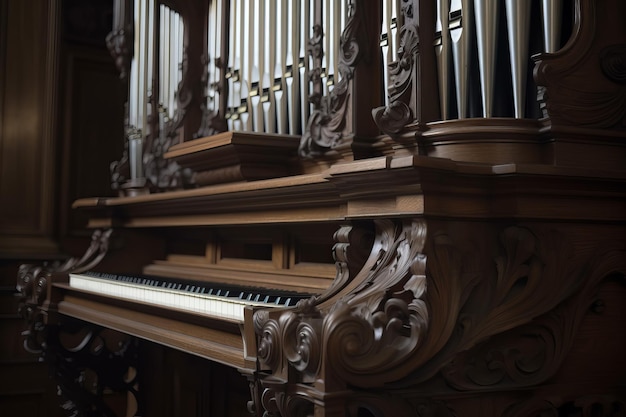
224, 301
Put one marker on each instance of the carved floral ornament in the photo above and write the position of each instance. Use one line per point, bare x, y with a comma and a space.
370, 328
393, 118
407, 318
326, 125
33, 281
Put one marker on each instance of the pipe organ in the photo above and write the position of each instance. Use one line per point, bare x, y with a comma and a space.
356, 208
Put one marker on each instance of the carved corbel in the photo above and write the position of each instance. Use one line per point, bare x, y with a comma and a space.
380, 315
423, 310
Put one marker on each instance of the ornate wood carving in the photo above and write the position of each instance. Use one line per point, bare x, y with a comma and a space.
83, 364
368, 331
88, 368
586, 406
532, 353
326, 128
120, 44
422, 310
393, 118
120, 40
33, 285
412, 77
213, 121
120, 170
164, 174
584, 84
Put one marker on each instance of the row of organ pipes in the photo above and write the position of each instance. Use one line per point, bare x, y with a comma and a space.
470, 32
155, 74
269, 61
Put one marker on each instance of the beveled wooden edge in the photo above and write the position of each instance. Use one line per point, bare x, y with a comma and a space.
367, 166
212, 344
378, 187
254, 187
279, 279
485, 129
233, 138
471, 168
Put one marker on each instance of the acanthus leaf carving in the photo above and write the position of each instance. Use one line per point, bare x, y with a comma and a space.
89, 353
32, 280
325, 127
277, 402
532, 352
600, 101
213, 120
391, 119
585, 406
471, 303
476, 319
367, 333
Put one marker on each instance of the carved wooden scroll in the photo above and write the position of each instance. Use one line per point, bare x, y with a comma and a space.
412, 80
432, 309
584, 84
81, 357
329, 127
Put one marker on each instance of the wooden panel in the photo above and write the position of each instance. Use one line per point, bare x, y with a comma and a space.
93, 128
189, 386
27, 133
215, 343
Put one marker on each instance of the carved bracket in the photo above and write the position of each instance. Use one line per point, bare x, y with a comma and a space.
423, 309
380, 315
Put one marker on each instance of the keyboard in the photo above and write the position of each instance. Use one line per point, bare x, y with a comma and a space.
221, 300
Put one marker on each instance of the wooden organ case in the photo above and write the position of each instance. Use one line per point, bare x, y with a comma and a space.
436, 186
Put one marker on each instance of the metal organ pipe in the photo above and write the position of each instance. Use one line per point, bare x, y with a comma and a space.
551, 13
486, 13
460, 27
518, 25
473, 30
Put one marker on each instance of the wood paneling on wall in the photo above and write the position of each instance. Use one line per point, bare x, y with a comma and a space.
28, 92
61, 124
92, 132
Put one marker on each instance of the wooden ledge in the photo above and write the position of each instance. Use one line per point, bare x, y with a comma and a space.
236, 156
